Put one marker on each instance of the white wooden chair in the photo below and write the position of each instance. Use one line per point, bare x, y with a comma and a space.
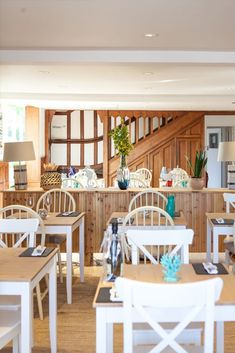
10, 329
14, 219
148, 197
71, 183
155, 303
145, 174
171, 241
136, 181
148, 216
57, 200
229, 241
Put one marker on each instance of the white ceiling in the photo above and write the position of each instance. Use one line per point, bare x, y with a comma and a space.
93, 53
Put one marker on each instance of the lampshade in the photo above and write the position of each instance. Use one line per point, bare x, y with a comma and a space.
18, 151
226, 151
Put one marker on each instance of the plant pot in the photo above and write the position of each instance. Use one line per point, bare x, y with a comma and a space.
197, 183
123, 174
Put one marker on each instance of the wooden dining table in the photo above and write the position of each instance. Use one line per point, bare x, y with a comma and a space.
214, 230
67, 225
19, 276
108, 312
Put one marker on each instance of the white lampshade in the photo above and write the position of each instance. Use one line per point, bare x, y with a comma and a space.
226, 151
18, 151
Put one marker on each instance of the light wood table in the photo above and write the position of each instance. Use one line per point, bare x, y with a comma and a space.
216, 230
66, 225
108, 313
19, 276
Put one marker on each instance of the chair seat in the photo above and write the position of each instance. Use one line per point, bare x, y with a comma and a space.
9, 302
9, 326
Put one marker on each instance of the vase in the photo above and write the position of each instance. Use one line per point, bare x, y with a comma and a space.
123, 174
197, 183
170, 207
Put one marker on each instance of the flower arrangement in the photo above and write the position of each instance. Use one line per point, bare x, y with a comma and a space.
171, 265
120, 136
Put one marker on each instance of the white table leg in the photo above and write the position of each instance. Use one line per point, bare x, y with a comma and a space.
26, 319
69, 265
208, 242
104, 333
220, 337
215, 245
53, 306
81, 249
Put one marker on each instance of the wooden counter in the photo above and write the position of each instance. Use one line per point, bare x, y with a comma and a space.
98, 204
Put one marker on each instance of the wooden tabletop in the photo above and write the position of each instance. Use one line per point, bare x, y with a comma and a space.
177, 220
53, 220
20, 269
154, 274
224, 215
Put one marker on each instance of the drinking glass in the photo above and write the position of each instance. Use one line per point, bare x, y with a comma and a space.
48, 202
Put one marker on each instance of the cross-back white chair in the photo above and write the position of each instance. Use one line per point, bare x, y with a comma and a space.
71, 183
136, 181
145, 174
10, 329
229, 241
171, 241
57, 200
18, 225
148, 216
229, 199
155, 303
148, 197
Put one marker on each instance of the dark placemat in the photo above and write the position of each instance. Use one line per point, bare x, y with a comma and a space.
199, 269
227, 222
72, 214
104, 296
28, 252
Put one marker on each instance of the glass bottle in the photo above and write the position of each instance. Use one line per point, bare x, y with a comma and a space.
116, 256
170, 207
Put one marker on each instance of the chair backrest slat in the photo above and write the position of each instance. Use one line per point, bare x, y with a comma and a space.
148, 197
61, 201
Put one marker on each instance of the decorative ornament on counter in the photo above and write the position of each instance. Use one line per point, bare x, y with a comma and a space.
179, 177
171, 265
50, 179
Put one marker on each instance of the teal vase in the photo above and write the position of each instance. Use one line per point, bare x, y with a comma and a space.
170, 207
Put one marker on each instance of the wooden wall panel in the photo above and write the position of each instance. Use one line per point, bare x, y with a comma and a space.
99, 205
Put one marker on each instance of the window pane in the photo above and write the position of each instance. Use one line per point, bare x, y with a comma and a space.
59, 153
75, 154
75, 124
88, 124
141, 127
100, 152
59, 127
89, 154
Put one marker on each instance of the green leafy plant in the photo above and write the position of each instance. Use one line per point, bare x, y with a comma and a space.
199, 164
120, 136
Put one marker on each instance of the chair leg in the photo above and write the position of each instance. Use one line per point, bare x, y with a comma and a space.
39, 300
60, 265
16, 344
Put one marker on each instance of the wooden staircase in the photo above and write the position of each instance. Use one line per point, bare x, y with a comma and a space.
176, 135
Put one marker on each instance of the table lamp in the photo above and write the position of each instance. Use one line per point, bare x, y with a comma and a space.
226, 153
18, 152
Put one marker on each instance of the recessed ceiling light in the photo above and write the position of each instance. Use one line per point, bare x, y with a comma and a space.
151, 35
164, 81
45, 72
149, 73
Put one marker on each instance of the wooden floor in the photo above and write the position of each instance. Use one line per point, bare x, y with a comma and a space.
76, 322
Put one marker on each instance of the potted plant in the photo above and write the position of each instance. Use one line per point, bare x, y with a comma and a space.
122, 144
197, 181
